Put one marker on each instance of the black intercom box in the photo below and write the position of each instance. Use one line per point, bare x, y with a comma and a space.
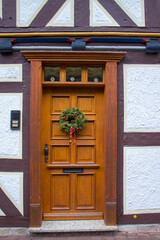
15, 120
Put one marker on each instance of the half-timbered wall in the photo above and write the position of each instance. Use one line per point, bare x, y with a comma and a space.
138, 141
138, 138
77, 15
14, 150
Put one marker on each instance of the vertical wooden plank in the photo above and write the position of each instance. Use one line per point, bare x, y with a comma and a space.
35, 156
110, 163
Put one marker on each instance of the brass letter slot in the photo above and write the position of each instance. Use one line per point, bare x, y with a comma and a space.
72, 170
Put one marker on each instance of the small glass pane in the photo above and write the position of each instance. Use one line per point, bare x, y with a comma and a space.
52, 74
95, 74
73, 74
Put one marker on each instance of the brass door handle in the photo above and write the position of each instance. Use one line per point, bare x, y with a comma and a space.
46, 150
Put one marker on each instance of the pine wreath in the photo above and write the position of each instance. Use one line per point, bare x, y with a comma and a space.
72, 121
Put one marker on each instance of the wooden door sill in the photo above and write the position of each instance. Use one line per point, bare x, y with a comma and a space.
71, 216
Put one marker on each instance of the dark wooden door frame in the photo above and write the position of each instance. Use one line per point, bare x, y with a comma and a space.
109, 59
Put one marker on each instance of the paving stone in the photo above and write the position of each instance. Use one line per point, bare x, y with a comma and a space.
5, 232
121, 236
111, 236
148, 228
45, 238
73, 238
89, 237
76, 236
19, 231
132, 236
129, 228
155, 236
15, 238
144, 236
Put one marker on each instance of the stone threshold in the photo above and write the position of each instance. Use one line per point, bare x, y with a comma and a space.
73, 227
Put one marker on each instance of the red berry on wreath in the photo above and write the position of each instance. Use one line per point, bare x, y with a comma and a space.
65, 124
74, 115
77, 128
64, 118
78, 116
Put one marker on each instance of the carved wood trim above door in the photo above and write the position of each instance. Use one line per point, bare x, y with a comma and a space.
110, 60
68, 56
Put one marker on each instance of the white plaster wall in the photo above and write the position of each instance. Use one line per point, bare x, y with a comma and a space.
10, 140
12, 185
141, 98
0, 8
134, 9
141, 180
64, 17
2, 214
10, 72
27, 10
99, 16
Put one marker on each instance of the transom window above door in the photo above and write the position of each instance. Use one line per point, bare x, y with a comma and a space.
74, 74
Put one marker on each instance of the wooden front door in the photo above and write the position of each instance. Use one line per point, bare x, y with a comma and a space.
73, 178
38, 137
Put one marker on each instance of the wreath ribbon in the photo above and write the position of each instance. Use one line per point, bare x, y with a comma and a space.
72, 134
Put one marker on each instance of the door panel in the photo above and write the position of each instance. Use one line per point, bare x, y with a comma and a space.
60, 153
56, 131
86, 103
85, 154
60, 191
88, 132
85, 191
73, 195
58, 103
